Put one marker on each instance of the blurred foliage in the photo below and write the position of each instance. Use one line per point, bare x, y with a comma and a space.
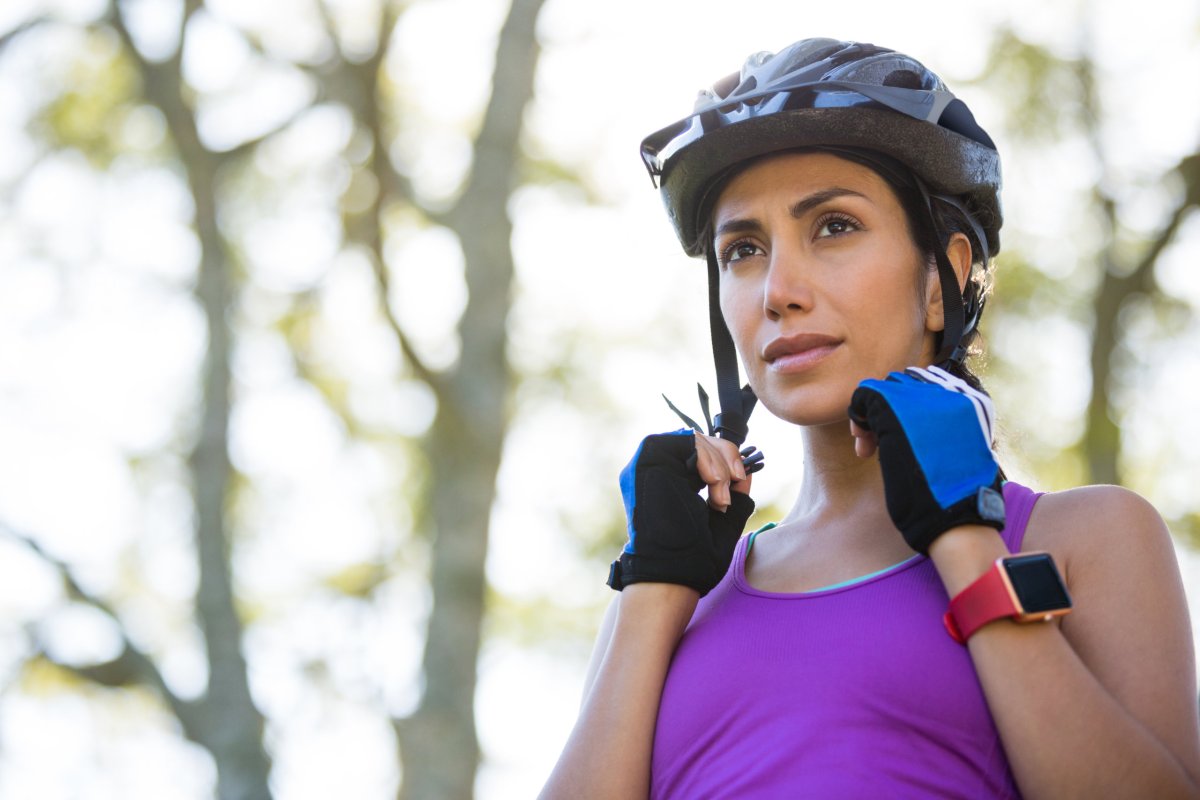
358, 580
1187, 529
42, 677
101, 101
1024, 289
1107, 293
541, 171
1042, 89
544, 623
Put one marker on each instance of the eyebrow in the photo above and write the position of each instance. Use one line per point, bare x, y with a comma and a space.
799, 209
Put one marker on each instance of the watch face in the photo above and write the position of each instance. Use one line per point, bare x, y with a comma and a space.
1037, 583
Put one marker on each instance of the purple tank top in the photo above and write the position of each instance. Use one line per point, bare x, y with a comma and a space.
849, 692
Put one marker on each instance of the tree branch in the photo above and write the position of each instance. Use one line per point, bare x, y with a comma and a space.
132, 666
1142, 278
162, 84
498, 139
358, 89
392, 181
436, 380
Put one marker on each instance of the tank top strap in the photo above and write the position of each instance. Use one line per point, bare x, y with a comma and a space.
1018, 506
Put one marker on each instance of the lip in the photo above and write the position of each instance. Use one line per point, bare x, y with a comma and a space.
798, 351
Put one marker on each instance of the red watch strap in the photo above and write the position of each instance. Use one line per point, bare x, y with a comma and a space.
985, 600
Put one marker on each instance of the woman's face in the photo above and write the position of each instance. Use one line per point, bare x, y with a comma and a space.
821, 282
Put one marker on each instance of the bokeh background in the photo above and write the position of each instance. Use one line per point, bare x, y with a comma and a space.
326, 326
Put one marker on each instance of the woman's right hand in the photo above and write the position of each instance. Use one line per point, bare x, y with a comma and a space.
674, 535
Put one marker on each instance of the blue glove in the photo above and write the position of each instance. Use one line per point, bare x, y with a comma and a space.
674, 535
935, 434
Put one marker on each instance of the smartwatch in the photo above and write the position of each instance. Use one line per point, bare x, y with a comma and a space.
1025, 587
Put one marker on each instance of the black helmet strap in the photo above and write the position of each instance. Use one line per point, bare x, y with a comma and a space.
959, 319
736, 401
952, 309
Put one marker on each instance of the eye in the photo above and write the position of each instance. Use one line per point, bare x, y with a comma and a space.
836, 224
739, 251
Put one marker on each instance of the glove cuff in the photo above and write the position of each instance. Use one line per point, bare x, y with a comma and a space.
984, 507
630, 569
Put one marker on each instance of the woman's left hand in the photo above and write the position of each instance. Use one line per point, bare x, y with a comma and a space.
933, 434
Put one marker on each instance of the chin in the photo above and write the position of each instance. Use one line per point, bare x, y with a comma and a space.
807, 406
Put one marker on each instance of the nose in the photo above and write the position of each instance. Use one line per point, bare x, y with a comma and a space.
788, 288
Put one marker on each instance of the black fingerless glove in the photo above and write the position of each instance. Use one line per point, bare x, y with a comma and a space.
935, 451
674, 535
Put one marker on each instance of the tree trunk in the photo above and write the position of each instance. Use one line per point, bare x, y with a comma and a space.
225, 720
229, 725
1102, 436
438, 743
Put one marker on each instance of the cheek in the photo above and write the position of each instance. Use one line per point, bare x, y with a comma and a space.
881, 312
741, 306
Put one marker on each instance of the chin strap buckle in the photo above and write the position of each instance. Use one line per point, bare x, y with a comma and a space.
731, 427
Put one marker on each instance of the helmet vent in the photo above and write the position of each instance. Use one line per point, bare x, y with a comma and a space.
725, 87
748, 85
904, 78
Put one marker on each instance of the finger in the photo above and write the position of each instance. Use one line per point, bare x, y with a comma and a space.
857, 430
865, 442
718, 495
741, 487
727, 452
864, 447
720, 475
714, 471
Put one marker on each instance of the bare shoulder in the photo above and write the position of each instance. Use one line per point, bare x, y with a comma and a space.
1130, 625
1118, 560
1091, 524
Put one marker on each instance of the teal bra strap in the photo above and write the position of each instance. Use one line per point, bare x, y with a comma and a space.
841, 584
766, 527
863, 578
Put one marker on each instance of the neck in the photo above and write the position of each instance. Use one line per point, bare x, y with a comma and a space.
842, 494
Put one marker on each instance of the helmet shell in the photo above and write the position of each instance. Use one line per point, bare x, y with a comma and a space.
824, 92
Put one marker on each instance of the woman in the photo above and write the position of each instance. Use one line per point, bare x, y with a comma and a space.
882, 640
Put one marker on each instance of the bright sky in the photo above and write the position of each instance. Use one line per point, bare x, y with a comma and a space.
100, 344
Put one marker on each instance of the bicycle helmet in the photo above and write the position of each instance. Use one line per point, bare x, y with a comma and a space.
847, 97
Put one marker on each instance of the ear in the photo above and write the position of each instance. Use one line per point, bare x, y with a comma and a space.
959, 252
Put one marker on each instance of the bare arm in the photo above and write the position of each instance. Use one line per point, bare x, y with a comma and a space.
1104, 706
608, 752
600, 648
